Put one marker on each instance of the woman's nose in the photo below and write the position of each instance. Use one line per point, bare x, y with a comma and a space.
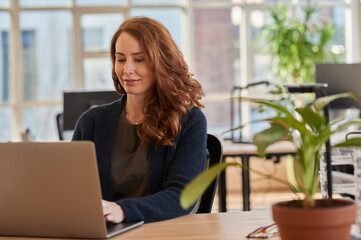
128, 67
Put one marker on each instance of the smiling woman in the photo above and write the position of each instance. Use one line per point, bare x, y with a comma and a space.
175, 91
152, 141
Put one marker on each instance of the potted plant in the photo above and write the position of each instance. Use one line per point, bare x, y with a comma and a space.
296, 45
309, 131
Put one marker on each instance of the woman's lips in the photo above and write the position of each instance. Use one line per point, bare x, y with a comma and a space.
131, 81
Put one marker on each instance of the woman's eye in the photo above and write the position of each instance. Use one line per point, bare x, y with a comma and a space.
139, 60
120, 60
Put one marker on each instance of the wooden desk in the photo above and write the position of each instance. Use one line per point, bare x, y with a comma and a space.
231, 225
215, 226
245, 152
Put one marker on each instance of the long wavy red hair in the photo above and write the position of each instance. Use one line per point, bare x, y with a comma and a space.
175, 92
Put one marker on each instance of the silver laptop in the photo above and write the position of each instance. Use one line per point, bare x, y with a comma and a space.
52, 190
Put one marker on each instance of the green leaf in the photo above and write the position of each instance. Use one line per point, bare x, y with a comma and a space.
274, 105
242, 126
336, 121
345, 125
269, 136
322, 136
195, 189
352, 142
290, 122
295, 44
311, 118
234, 129
320, 103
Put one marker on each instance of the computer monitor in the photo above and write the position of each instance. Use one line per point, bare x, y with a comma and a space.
341, 78
75, 103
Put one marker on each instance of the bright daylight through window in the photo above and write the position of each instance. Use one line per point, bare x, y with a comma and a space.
63, 45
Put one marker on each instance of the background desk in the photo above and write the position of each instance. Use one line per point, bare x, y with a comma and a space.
215, 226
245, 152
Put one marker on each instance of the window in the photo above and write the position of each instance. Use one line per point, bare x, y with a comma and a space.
4, 88
169, 17
97, 73
4, 56
155, 1
4, 3
216, 61
92, 39
100, 3
5, 111
46, 54
44, 3
29, 65
97, 31
227, 50
5, 123
64, 45
46, 47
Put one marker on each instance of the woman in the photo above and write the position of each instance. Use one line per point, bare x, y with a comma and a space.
151, 142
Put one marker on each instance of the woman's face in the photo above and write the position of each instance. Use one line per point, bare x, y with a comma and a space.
130, 66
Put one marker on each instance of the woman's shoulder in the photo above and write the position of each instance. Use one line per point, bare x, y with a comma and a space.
195, 113
193, 126
104, 110
97, 117
194, 118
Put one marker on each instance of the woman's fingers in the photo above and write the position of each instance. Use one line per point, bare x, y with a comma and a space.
112, 212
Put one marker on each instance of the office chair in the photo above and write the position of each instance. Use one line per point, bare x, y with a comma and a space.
64, 135
59, 124
214, 147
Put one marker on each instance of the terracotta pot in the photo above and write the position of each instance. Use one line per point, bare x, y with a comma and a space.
331, 219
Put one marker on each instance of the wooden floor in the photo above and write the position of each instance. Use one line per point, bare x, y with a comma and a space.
264, 191
258, 200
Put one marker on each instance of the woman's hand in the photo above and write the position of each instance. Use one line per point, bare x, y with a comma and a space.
113, 212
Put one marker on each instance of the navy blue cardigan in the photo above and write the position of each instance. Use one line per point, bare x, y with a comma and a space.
170, 168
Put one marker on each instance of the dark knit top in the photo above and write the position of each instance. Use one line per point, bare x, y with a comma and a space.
170, 167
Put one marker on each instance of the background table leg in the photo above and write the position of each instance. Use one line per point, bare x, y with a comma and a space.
245, 184
222, 192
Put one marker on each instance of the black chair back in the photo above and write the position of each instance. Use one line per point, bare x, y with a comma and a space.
214, 147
